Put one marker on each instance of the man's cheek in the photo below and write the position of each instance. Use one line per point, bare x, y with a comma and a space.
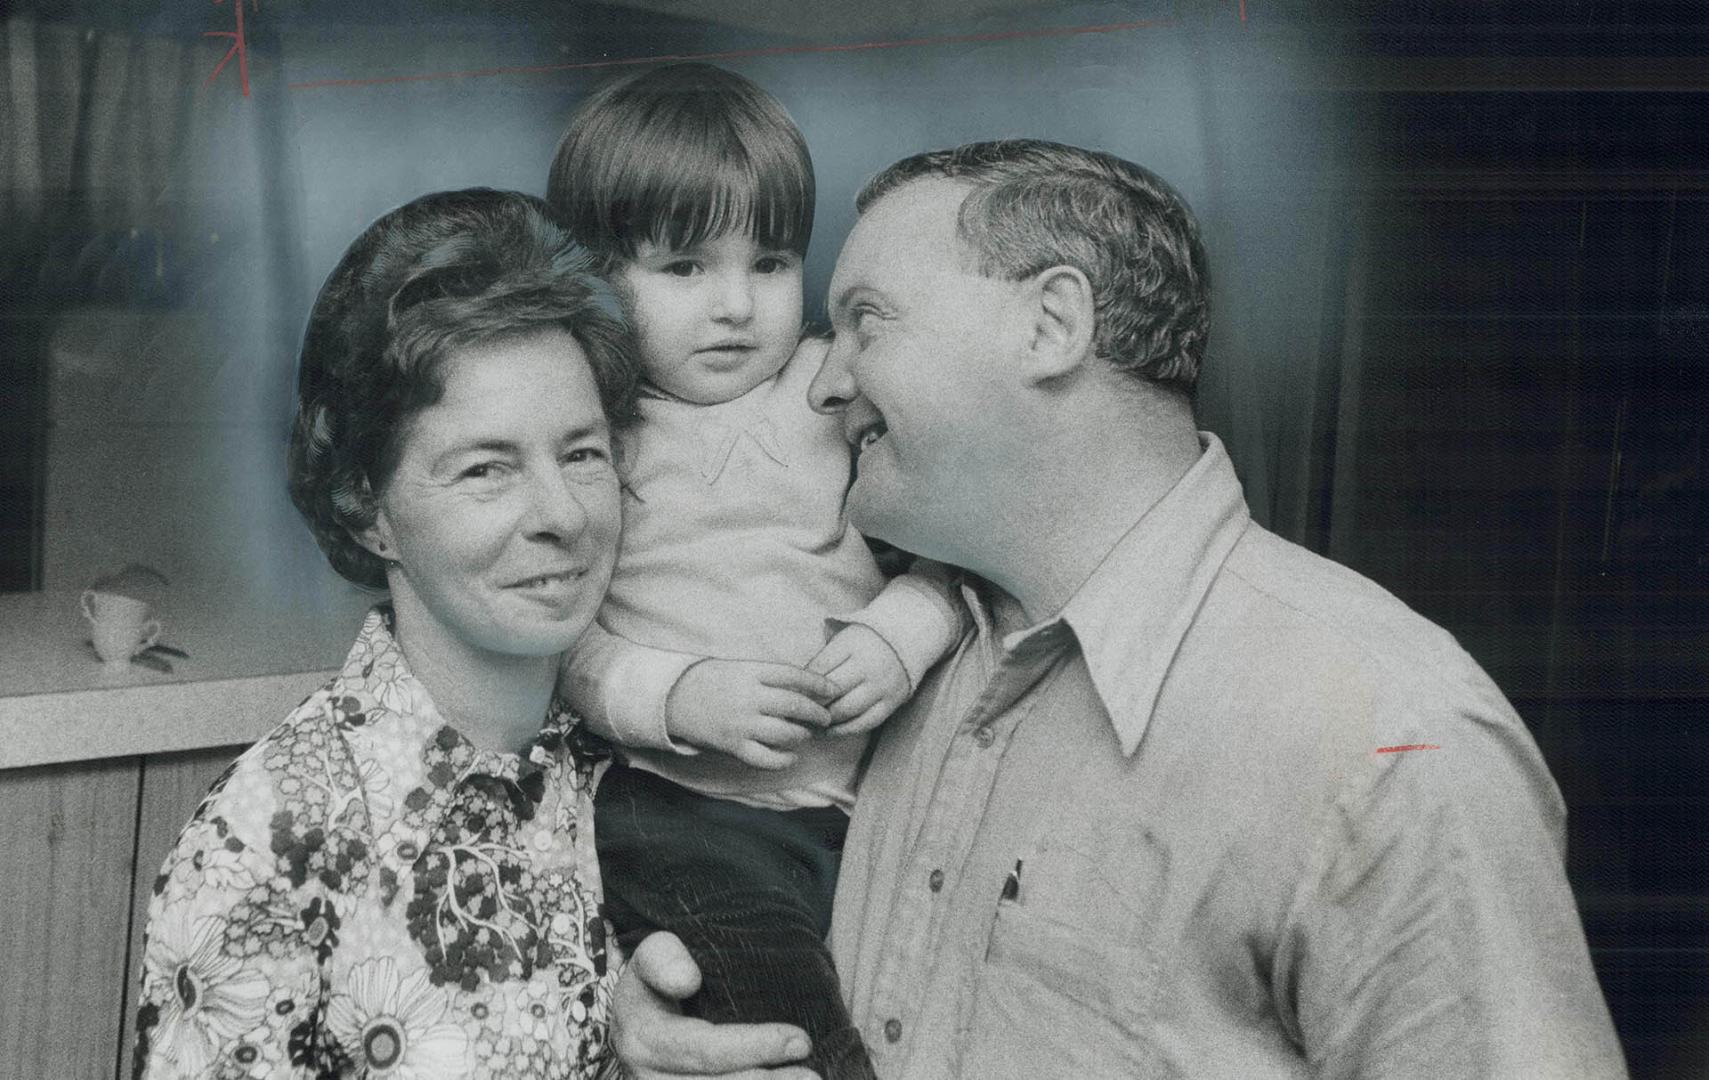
866, 506
857, 504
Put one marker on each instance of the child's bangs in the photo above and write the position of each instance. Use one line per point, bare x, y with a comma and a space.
712, 191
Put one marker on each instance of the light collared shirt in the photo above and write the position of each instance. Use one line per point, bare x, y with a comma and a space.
1234, 812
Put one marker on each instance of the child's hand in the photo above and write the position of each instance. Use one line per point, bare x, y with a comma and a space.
870, 679
754, 711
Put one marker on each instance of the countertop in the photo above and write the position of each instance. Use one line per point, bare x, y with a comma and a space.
248, 664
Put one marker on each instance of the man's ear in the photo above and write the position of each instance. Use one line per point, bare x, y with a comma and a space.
1064, 321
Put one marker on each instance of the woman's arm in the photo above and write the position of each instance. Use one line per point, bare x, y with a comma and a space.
231, 977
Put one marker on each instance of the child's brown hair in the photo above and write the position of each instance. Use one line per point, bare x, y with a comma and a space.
678, 155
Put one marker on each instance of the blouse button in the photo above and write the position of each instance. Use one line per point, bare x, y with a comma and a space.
936, 880
893, 1030
407, 851
984, 736
543, 840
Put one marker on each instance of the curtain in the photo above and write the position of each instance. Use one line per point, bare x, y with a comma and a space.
94, 124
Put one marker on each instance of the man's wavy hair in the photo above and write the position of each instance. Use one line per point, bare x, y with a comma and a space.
1038, 204
434, 277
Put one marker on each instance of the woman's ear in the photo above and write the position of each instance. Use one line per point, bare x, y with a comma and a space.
1064, 323
377, 537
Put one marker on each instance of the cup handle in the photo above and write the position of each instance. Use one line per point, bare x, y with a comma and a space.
87, 601
152, 628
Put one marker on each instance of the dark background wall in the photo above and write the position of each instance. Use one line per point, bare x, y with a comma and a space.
1532, 339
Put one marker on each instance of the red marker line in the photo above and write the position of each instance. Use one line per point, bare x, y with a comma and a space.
1408, 746
239, 48
738, 54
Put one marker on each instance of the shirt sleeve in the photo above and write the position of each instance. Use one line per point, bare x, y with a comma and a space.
619, 688
231, 979
1438, 936
918, 614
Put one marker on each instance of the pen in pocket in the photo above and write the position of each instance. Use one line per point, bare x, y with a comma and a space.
1012, 884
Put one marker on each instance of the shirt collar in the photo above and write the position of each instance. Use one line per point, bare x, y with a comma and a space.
718, 427
1132, 613
377, 695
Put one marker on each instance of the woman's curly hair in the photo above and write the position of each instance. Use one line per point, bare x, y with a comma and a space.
445, 272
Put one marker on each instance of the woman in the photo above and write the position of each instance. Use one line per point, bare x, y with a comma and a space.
399, 880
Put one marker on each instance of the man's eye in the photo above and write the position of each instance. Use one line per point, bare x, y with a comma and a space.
681, 268
482, 470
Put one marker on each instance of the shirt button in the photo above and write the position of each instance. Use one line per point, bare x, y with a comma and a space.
543, 840
936, 880
984, 736
407, 851
893, 1030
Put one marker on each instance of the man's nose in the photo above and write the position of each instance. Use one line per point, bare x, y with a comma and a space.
833, 387
734, 299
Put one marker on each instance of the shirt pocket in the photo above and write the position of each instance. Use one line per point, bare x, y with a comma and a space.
1053, 999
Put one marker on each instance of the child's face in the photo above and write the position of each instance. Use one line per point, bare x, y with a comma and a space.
715, 320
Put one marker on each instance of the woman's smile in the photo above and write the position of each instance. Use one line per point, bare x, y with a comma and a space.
555, 587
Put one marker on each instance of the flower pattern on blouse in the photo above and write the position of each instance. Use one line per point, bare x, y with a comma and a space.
366, 893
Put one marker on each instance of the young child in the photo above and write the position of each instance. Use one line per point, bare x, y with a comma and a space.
736, 564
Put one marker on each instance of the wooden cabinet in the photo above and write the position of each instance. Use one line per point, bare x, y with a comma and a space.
84, 842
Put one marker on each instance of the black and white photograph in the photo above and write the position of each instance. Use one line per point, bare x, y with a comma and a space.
908, 540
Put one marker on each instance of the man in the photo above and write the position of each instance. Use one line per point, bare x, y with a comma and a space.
1188, 801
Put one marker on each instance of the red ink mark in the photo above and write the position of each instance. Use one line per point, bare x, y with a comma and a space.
239, 45
739, 54
1243, 12
1408, 746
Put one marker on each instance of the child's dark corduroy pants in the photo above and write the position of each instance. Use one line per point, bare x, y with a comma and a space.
748, 890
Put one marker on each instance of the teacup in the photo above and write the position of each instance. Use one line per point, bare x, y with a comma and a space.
119, 626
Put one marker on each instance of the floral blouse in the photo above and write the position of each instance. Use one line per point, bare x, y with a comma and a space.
365, 893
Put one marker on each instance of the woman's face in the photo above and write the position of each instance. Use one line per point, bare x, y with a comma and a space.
502, 515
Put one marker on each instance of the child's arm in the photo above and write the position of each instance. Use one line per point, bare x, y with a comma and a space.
651, 698
878, 655
619, 687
